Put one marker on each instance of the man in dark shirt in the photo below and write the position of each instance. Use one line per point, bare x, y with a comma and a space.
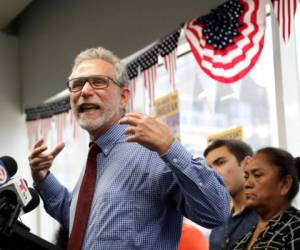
227, 157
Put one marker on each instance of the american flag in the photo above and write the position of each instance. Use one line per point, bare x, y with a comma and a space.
170, 65
150, 76
133, 69
148, 63
168, 50
74, 124
45, 127
132, 88
133, 72
227, 42
32, 128
284, 11
60, 120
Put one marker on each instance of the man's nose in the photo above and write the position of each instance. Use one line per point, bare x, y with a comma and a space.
87, 88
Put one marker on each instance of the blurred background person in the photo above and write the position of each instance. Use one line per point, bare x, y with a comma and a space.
227, 157
271, 183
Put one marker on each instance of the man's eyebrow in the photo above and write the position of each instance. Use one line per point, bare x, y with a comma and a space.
219, 158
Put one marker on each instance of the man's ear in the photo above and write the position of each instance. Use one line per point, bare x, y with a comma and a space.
125, 95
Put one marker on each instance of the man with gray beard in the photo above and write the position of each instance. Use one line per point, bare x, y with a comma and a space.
144, 182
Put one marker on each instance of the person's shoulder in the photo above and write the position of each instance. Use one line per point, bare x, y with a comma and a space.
292, 211
220, 230
250, 215
293, 217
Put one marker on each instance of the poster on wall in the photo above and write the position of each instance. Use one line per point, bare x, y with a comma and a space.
167, 110
234, 133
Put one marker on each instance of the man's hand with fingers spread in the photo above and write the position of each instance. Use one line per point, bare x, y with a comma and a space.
40, 161
148, 131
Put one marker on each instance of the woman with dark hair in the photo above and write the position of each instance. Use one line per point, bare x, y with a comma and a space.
271, 183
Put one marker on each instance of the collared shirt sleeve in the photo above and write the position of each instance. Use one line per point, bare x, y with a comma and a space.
56, 199
202, 195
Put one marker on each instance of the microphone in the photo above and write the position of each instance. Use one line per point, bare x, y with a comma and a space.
15, 196
10, 208
7, 199
18, 186
8, 168
34, 202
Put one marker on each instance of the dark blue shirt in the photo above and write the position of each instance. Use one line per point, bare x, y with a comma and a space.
227, 235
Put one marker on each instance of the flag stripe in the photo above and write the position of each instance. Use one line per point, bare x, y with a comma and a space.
32, 128
60, 125
284, 11
132, 88
170, 65
45, 127
75, 125
150, 76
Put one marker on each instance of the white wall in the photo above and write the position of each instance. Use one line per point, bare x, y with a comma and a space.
12, 122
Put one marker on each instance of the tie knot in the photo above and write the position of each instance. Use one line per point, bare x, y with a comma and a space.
94, 148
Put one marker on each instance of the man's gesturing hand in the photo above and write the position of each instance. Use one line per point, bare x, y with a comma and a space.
39, 161
148, 131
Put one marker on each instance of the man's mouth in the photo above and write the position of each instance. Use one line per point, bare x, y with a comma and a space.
87, 106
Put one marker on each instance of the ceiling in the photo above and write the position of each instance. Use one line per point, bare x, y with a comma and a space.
9, 9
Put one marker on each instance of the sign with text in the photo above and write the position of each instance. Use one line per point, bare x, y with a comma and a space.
234, 133
167, 110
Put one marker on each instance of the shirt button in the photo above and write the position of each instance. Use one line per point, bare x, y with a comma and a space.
105, 151
175, 160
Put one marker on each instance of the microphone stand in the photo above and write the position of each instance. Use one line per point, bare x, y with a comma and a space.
7, 230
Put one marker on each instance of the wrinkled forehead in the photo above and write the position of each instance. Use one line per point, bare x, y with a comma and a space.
258, 161
94, 67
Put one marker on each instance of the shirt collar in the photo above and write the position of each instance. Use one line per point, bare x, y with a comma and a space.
112, 136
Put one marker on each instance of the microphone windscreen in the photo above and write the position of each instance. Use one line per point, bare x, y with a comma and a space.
34, 202
10, 165
9, 195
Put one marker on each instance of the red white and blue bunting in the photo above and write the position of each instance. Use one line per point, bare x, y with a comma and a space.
147, 64
227, 42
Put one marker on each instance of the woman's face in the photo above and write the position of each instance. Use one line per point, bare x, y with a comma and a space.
263, 187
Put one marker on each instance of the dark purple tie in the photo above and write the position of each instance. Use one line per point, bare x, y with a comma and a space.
85, 199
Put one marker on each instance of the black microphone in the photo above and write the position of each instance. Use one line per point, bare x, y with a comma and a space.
7, 197
8, 168
18, 186
34, 202
10, 209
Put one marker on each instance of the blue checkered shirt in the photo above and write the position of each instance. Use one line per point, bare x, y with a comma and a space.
140, 197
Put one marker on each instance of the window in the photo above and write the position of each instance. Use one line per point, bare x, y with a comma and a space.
208, 107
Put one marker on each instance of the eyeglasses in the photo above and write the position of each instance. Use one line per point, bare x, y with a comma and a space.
97, 82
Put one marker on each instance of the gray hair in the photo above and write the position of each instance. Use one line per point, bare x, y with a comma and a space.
107, 56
